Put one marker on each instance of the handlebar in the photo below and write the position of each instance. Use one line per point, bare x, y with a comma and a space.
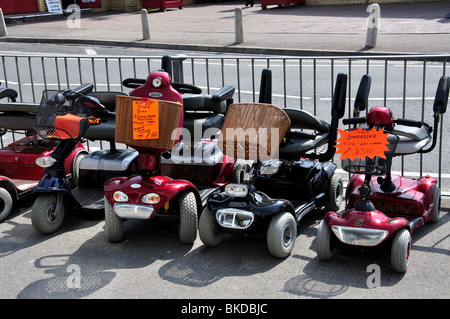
354, 120
361, 120
408, 122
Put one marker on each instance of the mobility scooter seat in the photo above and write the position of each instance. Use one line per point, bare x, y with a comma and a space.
298, 143
18, 116
206, 111
412, 139
104, 131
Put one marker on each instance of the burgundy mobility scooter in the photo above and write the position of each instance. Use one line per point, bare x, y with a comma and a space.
175, 178
277, 190
19, 172
58, 114
383, 209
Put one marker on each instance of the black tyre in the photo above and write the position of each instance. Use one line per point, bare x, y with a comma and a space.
113, 224
188, 223
46, 216
207, 229
76, 169
436, 214
335, 193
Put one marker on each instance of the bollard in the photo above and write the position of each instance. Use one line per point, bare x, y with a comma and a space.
373, 23
145, 26
238, 27
3, 31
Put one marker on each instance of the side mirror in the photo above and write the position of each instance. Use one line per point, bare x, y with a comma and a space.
340, 91
362, 96
441, 97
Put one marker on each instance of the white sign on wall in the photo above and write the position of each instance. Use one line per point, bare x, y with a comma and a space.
54, 6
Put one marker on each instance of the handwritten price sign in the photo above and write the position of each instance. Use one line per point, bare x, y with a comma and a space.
145, 120
362, 143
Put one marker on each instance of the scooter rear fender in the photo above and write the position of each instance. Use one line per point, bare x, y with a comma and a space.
368, 220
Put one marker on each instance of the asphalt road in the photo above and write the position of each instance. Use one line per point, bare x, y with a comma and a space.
151, 263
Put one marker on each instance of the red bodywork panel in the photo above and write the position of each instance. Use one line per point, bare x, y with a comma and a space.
18, 160
137, 186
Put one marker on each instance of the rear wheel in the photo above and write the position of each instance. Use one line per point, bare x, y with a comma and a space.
436, 214
335, 193
47, 213
6, 204
113, 224
324, 249
207, 229
188, 224
281, 235
400, 250
76, 169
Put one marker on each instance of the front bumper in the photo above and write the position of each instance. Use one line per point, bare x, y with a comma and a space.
234, 218
359, 236
133, 211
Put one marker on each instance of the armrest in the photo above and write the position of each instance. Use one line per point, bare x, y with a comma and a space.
223, 94
9, 93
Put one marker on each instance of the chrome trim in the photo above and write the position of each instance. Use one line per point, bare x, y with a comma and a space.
234, 218
133, 211
359, 236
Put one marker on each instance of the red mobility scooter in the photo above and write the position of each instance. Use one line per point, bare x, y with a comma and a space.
151, 192
382, 209
19, 172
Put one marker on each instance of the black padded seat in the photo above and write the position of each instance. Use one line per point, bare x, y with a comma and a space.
18, 116
104, 131
411, 139
203, 113
298, 143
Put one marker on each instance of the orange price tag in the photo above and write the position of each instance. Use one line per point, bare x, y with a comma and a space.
362, 143
145, 120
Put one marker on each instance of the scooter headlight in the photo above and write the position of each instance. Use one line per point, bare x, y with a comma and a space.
359, 236
120, 197
45, 161
151, 198
237, 190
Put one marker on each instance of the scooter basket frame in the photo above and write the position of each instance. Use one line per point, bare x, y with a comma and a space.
372, 166
49, 114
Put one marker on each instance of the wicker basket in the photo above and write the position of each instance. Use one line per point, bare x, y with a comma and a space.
253, 131
168, 118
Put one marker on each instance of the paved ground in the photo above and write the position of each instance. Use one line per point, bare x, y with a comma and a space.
404, 28
151, 262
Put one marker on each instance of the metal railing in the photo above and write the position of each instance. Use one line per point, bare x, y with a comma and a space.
407, 84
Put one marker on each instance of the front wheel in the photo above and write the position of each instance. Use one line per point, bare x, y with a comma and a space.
6, 203
188, 224
47, 213
281, 235
324, 249
207, 229
400, 250
113, 224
